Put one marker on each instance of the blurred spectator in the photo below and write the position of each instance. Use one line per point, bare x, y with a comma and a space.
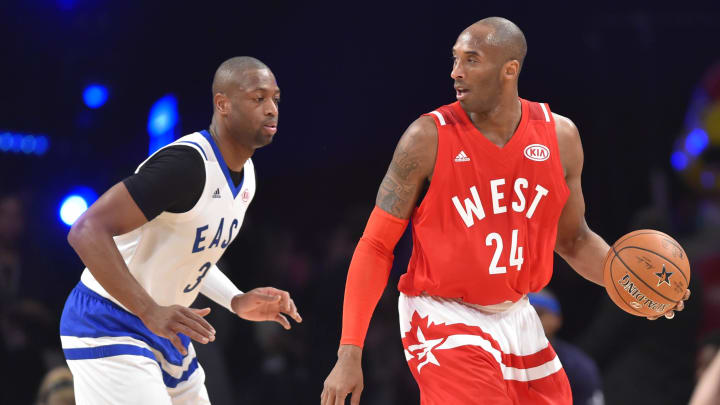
26, 325
581, 370
707, 391
708, 348
56, 388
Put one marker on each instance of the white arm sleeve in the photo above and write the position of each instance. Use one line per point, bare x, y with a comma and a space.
219, 288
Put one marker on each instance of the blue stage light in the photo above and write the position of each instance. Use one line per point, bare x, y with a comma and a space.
16, 142
75, 204
95, 95
23, 143
163, 116
6, 141
678, 160
162, 122
27, 145
696, 141
71, 209
41, 145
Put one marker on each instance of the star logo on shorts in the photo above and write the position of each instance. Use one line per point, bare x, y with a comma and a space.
426, 346
663, 276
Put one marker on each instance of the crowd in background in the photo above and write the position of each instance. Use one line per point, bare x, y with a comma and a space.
636, 81
254, 363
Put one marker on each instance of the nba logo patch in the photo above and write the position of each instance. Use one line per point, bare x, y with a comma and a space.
245, 196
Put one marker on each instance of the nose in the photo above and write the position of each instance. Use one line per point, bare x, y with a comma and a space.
271, 109
457, 71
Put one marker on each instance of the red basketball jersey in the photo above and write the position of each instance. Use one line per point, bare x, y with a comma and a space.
485, 231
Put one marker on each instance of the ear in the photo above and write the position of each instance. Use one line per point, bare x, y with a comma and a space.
221, 103
511, 69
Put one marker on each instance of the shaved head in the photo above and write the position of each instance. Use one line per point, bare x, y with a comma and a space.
233, 72
502, 34
245, 103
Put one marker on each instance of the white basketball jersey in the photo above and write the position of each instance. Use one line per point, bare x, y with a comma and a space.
170, 255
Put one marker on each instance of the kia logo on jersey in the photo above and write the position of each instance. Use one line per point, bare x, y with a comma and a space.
537, 152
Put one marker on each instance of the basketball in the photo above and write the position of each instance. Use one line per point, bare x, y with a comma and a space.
646, 273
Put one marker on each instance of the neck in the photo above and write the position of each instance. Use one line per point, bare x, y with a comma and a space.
234, 153
501, 121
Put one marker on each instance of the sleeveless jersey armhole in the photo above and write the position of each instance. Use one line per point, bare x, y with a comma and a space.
440, 122
550, 125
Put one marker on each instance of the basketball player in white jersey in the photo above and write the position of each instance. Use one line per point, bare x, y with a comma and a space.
150, 244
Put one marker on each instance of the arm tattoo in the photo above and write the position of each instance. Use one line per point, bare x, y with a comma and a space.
402, 165
397, 189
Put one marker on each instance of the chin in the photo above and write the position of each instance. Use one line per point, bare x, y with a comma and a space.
264, 140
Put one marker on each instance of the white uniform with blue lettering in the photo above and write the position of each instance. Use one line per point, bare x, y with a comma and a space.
114, 358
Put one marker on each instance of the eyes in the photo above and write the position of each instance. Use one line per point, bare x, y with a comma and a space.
472, 59
261, 100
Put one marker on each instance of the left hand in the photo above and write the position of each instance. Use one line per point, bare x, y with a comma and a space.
670, 314
266, 304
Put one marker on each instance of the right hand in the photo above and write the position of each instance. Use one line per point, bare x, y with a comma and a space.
345, 378
169, 321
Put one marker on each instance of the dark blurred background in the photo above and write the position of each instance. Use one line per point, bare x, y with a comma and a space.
641, 84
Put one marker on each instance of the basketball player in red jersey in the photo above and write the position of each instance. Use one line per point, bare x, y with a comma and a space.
504, 192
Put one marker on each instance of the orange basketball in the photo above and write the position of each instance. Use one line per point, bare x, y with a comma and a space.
646, 273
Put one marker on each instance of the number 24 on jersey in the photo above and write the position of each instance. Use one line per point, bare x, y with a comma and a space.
516, 252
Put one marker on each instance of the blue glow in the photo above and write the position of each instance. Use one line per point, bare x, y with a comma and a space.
16, 142
678, 160
163, 116
23, 143
707, 179
41, 145
66, 4
162, 122
5, 141
27, 145
71, 209
95, 95
75, 204
696, 141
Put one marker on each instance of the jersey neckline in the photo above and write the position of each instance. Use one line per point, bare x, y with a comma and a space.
514, 140
223, 166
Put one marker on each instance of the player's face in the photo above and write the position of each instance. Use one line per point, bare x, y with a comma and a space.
476, 73
254, 116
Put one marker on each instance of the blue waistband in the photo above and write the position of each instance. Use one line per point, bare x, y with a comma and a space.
88, 314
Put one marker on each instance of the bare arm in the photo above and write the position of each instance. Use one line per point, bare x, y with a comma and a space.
116, 213
411, 166
582, 248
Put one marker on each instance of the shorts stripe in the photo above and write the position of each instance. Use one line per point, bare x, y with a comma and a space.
88, 353
458, 333
509, 373
106, 351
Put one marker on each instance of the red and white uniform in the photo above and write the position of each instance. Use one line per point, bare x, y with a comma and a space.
483, 237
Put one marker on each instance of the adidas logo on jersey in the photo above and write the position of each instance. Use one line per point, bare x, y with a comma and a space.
462, 157
216, 194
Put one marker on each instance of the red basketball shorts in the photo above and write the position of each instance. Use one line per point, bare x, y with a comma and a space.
460, 354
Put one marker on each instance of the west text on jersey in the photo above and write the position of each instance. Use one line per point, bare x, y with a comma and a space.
474, 208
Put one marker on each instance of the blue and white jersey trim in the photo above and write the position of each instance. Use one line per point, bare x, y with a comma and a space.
93, 327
